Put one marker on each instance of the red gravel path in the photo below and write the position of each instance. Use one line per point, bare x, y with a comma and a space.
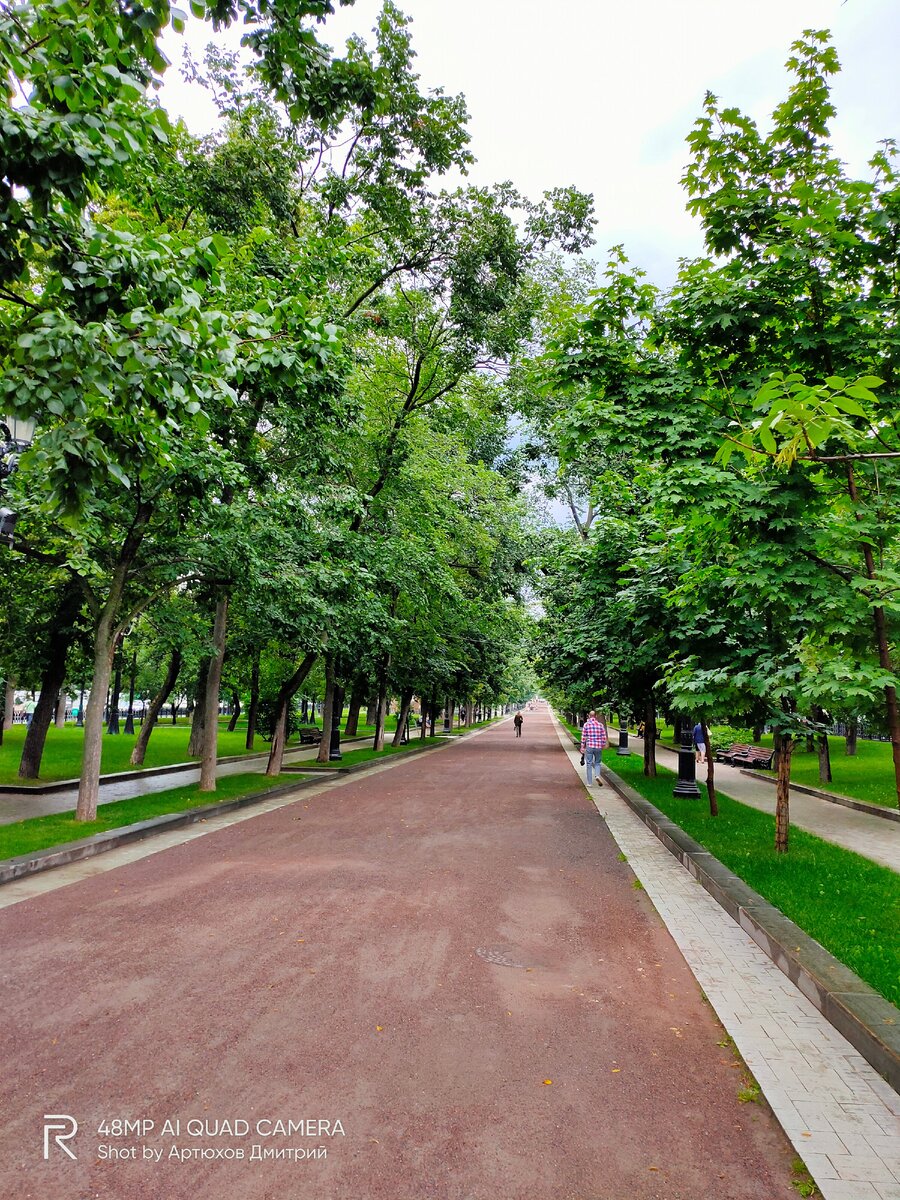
417, 954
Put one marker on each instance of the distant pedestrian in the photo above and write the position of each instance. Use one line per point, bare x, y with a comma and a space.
518, 721
699, 743
594, 740
30, 706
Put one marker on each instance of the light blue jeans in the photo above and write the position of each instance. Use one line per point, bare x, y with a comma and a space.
592, 759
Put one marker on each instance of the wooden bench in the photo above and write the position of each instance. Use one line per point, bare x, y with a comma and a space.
742, 755
310, 736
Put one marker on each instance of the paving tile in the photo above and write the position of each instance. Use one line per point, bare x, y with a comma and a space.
862, 1167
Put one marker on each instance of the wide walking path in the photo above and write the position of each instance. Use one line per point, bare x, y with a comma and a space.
447, 956
871, 836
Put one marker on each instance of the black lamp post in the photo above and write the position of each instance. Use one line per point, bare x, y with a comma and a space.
448, 716
16, 435
337, 712
686, 784
623, 737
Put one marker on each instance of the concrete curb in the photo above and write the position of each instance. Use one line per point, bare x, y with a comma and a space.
37, 861
62, 785
887, 814
869, 1022
98, 843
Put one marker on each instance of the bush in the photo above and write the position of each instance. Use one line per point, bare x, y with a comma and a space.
723, 736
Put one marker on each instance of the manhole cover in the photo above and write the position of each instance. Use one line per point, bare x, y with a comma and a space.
499, 958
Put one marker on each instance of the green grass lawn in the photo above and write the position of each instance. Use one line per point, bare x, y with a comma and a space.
37, 833
62, 753
366, 753
846, 902
868, 775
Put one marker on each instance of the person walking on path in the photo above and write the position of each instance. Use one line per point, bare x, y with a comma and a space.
699, 743
518, 720
594, 740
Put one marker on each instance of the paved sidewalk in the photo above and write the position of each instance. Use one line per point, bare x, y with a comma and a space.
840, 1115
873, 837
18, 806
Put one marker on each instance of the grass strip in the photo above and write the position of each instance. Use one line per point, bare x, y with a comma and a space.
38, 833
168, 745
367, 753
849, 904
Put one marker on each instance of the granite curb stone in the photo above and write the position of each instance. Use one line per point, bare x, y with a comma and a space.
876, 810
866, 1019
98, 843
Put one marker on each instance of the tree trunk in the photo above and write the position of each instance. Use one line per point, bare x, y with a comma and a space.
213, 686
824, 759
112, 721
9, 704
357, 695
129, 718
371, 709
327, 711
89, 784
783, 794
62, 634
757, 734
140, 746
235, 711
175, 710
650, 737
884, 653
382, 702
195, 743
776, 747
286, 693
710, 772
823, 748
253, 710
852, 735
405, 702
59, 719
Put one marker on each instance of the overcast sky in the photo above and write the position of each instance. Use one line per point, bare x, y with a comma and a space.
602, 95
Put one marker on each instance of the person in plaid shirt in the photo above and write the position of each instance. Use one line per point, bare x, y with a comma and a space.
594, 740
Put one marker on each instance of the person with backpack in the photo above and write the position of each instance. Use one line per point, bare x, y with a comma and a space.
594, 740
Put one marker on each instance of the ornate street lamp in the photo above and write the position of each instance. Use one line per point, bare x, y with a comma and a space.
686, 784
16, 435
623, 737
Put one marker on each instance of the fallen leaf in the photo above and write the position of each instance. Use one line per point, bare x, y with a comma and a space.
548, 1082
616, 1070
379, 1028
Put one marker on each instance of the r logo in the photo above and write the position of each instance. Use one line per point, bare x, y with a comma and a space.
68, 1127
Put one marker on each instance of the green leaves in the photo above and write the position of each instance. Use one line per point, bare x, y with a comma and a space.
795, 419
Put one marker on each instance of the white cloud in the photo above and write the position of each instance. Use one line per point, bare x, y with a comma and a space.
602, 94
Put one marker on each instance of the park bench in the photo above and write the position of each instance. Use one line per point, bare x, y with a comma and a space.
742, 755
310, 736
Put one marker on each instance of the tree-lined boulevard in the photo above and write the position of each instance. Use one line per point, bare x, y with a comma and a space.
314, 449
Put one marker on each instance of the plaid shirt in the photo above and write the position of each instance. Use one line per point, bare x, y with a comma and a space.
593, 734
